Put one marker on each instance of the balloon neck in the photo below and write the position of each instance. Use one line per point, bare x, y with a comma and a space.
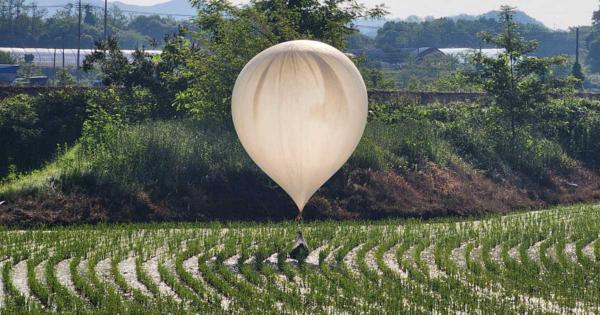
299, 217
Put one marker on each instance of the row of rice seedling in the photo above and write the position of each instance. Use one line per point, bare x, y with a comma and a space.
532, 262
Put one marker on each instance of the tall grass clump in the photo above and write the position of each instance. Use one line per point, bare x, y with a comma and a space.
400, 141
479, 137
162, 154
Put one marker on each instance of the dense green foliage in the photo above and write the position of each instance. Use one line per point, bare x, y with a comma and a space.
540, 262
35, 128
577, 73
197, 169
148, 83
6, 58
593, 42
197, 69
27, 25
231, 35
445, 32
31, 128
184, 78
517, 82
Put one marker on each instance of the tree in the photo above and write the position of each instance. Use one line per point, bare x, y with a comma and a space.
64, 78
577, 73
593, 41
111, 61
373, 75
90, 18
7, 58
517, 83
445, 32
150, 76
17, 129
229, 36
153, 26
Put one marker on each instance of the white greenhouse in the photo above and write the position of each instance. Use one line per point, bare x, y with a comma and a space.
462, 53
53, 57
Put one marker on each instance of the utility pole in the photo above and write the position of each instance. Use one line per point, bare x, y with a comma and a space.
54, 66
577, 45
78, 39
33, 9
63, 51
105, 20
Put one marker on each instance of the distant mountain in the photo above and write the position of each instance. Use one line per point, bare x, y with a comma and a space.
178, 8
182, 8
520, 17
369, 27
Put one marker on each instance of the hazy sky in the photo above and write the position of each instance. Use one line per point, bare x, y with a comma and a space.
553, 13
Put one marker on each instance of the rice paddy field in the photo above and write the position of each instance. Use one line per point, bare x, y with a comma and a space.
542, 262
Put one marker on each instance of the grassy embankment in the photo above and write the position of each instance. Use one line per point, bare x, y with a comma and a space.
412, 161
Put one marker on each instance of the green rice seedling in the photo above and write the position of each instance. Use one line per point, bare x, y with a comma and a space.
530, 262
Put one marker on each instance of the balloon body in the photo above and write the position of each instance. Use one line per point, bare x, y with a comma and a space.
299, 109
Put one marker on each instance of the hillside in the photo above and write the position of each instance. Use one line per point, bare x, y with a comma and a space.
519, 17
539, 262
370, 27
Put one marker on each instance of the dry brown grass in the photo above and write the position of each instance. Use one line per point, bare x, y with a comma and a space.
432, 191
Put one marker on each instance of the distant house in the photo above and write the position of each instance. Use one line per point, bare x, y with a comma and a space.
8, 74
425, 52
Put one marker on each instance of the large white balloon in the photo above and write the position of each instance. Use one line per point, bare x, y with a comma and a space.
300, 109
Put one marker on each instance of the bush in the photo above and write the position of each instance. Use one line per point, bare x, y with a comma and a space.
537, 157
575, 125
162, 154
400, 145
32, 127
18, 131
478, 136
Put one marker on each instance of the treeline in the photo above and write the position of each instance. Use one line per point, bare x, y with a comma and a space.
446, 32
31, 26
593, 43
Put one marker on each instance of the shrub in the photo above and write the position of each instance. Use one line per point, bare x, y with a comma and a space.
33, 127
575, 125
18, 131
160, 154
399, 137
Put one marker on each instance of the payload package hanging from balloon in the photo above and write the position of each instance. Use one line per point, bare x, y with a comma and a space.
299, 109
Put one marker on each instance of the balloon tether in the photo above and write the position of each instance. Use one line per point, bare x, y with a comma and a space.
299, 218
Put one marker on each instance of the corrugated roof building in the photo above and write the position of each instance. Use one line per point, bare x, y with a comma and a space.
8, 73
